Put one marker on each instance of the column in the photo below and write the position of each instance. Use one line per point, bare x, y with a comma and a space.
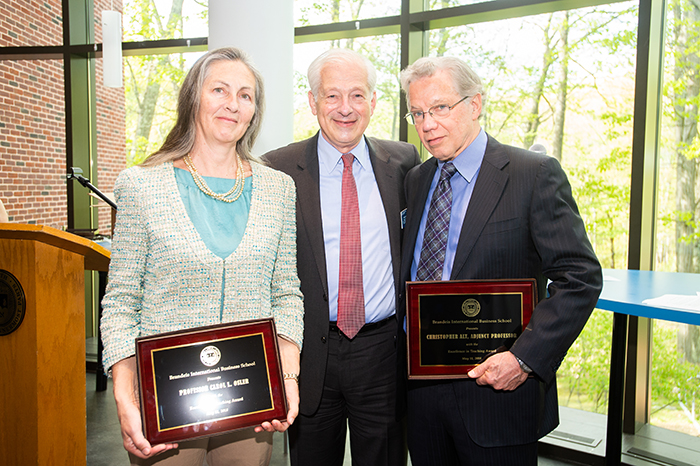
265, 30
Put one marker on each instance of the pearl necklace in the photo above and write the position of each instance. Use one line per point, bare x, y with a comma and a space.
231, 196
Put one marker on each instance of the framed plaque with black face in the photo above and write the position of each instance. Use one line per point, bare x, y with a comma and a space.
452, 326
210, 380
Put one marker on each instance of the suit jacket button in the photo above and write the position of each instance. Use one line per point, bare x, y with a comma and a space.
323, 339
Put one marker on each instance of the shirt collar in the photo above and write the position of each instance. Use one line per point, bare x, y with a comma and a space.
329, 157
469, 160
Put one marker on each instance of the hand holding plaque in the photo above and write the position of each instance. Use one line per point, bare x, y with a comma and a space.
290, 357
453, 325
210, 380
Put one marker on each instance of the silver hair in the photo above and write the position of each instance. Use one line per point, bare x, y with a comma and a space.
340, 57
181, 138
464, 80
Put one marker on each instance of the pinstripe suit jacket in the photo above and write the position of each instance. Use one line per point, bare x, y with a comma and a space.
162, 277
522, 222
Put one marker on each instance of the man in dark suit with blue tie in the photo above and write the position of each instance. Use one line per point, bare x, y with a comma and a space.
350, 202
483, 210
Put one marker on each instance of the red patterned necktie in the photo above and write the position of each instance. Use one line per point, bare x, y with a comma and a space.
351, 296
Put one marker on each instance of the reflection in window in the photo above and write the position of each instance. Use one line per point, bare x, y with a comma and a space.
675, 383
311, 12
383, 52
566, 80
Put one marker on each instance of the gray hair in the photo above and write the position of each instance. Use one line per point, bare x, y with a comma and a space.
464, 80
340, 57
180, 140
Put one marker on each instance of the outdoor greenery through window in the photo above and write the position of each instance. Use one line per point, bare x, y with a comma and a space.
152, 82
565, 80
383, 52
164, 19
310, 12
675, 387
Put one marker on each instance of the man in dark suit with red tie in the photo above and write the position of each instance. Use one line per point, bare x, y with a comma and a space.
350, 202
483, 210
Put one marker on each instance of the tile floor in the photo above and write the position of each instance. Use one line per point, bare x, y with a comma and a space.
104, 443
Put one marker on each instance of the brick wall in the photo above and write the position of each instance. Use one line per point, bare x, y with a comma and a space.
32, 128
32, 119
111, 138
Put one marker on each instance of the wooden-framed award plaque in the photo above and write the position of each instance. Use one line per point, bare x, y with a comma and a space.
209, 380
452, 326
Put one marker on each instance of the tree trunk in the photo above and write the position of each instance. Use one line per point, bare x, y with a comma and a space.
149, 101
562, 89
532, 118
686, 121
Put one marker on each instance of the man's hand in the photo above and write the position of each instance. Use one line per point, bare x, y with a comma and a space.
501, 371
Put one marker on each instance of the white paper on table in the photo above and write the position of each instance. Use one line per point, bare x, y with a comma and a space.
678, 301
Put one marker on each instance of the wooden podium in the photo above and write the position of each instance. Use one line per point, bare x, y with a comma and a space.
42, 362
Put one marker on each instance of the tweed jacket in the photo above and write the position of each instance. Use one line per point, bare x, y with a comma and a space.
163, 278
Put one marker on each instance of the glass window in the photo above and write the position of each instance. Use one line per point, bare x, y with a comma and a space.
165, 19
440, 4
151, 86
565, 81
675, 385
384, 52
310, 12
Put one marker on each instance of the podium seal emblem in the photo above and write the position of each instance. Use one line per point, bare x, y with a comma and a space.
12, 303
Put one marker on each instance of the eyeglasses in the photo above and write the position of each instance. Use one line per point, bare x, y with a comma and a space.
436, 111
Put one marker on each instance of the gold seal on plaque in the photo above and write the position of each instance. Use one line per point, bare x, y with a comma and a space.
471, 307
210, 356
12, 303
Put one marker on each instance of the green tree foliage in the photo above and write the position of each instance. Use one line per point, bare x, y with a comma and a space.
676, 388
152, 82
678, 245
382, 51
582, 383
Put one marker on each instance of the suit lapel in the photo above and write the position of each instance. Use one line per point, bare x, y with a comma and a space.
487, 193
309, 205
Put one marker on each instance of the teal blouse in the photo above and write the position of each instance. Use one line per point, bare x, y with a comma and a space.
221, 225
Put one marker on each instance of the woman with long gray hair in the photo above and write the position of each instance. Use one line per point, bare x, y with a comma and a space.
205, 234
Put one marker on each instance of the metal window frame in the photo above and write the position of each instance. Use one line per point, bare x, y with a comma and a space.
79, 50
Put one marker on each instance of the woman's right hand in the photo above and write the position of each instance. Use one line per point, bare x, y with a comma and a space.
125, 383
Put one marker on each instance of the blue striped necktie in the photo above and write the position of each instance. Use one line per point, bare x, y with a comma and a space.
437, 227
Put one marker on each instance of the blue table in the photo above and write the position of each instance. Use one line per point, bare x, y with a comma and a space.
629, 288
623, 293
